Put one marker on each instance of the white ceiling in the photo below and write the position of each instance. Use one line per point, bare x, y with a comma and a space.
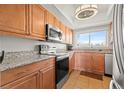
68, 10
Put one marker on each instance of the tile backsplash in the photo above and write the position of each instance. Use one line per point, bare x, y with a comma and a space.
13, 44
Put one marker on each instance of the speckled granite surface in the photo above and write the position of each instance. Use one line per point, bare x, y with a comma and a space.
16, 59
95, 51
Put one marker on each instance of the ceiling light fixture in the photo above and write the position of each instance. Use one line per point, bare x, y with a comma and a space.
86, 11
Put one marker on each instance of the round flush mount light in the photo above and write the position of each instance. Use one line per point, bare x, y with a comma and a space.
86, 11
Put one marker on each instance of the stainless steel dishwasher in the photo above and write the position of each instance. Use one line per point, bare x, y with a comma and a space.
108, 64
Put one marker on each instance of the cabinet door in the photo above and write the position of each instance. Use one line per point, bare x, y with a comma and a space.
63, 29
67, 35
73, 62
88, 62
70, 36
47, 78
70, 66
37, 21
14, 18
77, 61
57, 23
98, 63
50, 18
27, 82
82, 61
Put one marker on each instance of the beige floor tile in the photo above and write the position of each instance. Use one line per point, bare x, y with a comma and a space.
106, 81
77, 81
95, 84
81, 84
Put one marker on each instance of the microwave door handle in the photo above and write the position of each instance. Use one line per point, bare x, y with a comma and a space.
60, 35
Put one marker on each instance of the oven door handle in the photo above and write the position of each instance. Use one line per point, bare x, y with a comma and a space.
61, 58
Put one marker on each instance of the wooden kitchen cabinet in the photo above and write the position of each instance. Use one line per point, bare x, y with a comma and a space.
85, 62
63, 29
98, 63
90, 62
67, 35
47, 78
71, 37
14, 19
50, 18
37, 21
27, 82
28, 21
71, 61
57, 23
36, 75
77, 61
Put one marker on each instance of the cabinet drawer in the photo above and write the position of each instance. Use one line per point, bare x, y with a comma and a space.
16, 73
27, 82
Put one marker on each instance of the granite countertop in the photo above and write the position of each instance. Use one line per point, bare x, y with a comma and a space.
95, 51
17, 59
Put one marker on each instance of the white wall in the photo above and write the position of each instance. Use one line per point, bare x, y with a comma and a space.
12, 44
89, 29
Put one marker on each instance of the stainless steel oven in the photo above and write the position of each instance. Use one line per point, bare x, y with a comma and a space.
62, 70
53, 33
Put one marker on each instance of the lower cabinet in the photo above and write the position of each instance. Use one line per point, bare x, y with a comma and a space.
77, 61
27, 82
39, 75
98, 63
71, 61
85, 62
90, 62
47, 78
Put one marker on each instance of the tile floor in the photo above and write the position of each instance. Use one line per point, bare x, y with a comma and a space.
77, 81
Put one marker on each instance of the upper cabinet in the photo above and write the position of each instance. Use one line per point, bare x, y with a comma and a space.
68, 35
14, 18
23, 20
66, 31
56, 23
63, 29
37, 21
29, 21
49, 18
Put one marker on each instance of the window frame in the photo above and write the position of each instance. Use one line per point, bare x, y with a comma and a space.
90, 47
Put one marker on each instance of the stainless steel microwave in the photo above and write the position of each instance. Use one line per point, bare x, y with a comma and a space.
53, 33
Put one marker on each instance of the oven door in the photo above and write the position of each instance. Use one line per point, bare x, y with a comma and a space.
62, 68
53, 33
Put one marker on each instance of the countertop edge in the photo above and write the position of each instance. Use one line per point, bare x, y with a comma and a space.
5, 69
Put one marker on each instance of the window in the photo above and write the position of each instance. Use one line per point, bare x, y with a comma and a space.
83, 40
98, 39
92, 39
